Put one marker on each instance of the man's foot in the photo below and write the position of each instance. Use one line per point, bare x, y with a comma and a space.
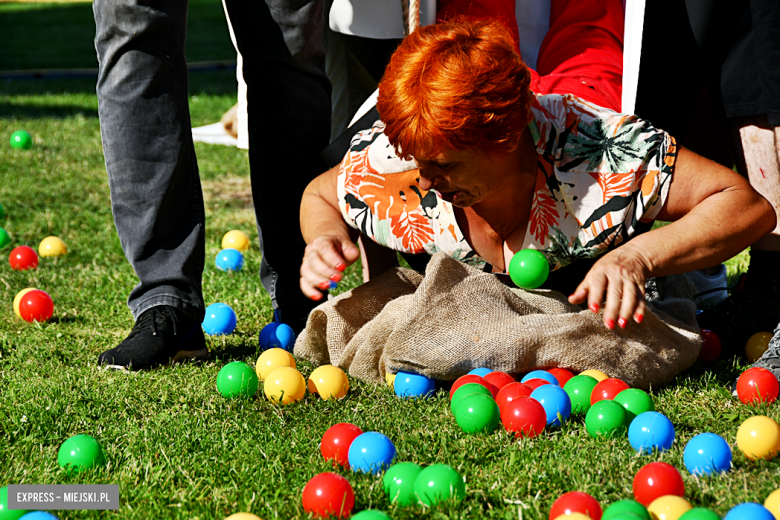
161, 335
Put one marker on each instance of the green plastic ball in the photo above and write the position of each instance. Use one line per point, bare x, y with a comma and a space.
466, 390
21, 140
699, 513
371, 514
4, 238
606, 418
438, 483
2, 211
635, 401
529, 268
625, 506
237, 379
5, 513
579, 389
79, 453
627, 515
477, 414
398, 483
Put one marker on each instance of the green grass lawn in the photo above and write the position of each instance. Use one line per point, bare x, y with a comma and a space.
175, 447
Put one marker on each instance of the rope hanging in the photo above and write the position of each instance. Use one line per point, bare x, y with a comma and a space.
411, 10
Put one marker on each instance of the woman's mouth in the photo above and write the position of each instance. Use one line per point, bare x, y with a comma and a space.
449, 196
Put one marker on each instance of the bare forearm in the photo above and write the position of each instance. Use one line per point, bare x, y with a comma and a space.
320, 218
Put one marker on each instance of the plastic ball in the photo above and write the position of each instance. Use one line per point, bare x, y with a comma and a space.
36, 305
271, 359
536, 382
657, 479
579, 389
219, 320
79, 453
37, 515
756, 345
562, 375
465, 391
711, 347
371, 452
229, 260
5, 238
23, 258
408, 384
237, 379
529, 269
576, 502
699, 513
243, 516
556, 403
756, 385
284, 385
772, 503
651, 431
471, 378
499, 379
329, 382
371, 514
21, 140
328, 495
759, 438
607, 389
524, 416
624, 507
670, 507
390, 379
511, 392
438, 483
277, 335
481, 371
749, 511
540, 374
52, 246
635, 401
9, 514
477, 414
606, 419
235, 239
707, 453
398, 483
598, 375
336, 442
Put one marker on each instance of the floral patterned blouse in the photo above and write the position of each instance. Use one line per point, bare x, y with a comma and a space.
602, 178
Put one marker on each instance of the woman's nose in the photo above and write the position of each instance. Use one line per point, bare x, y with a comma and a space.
426, 182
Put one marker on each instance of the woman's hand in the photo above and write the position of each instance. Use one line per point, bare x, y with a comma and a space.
324, 260
619, 278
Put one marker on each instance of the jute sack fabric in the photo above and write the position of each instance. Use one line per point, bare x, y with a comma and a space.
456, 318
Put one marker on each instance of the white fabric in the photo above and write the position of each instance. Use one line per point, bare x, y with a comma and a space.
214, 133
704, 282
632, 51
378, 19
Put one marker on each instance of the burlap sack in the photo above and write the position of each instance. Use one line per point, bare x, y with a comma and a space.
457, 318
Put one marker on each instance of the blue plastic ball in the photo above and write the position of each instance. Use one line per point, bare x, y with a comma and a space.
749, 511
555, 401
541, 374
651, 431
277, 335
229, 260
38, 515
407, 384
220, 319
371, 452
707, 453
481, 371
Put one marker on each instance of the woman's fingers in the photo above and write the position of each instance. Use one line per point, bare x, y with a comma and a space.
324, 260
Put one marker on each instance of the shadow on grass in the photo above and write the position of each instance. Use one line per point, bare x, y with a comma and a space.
66, 319
234, 352
21, 111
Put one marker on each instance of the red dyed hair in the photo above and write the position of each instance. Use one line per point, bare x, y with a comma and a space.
454, 86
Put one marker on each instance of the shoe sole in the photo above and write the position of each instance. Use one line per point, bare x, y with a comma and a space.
180, 357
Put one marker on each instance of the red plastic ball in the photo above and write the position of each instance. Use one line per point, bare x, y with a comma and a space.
472, 378
711, 347
756, 385
562, 375
36, 305
498, 379
23, 257
536, 382
336, 441
328, 495
511, 392
607, 389
655, 480
525, 417
576, 502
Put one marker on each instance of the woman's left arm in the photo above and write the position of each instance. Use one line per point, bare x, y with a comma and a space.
715, 214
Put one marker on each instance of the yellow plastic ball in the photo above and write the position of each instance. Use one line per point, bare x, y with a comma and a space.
235, 239
284, 385
772, 503
242, 516
759, 438
668, 507
573, 516
18, 299
52, 246
756, 345
390, 379
272, 359
598, 375
328, 381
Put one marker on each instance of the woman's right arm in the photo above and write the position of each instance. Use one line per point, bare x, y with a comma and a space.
331, 242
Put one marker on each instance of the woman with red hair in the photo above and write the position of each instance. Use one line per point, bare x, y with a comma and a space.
467, 160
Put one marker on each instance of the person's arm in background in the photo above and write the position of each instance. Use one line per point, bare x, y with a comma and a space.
715, 213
